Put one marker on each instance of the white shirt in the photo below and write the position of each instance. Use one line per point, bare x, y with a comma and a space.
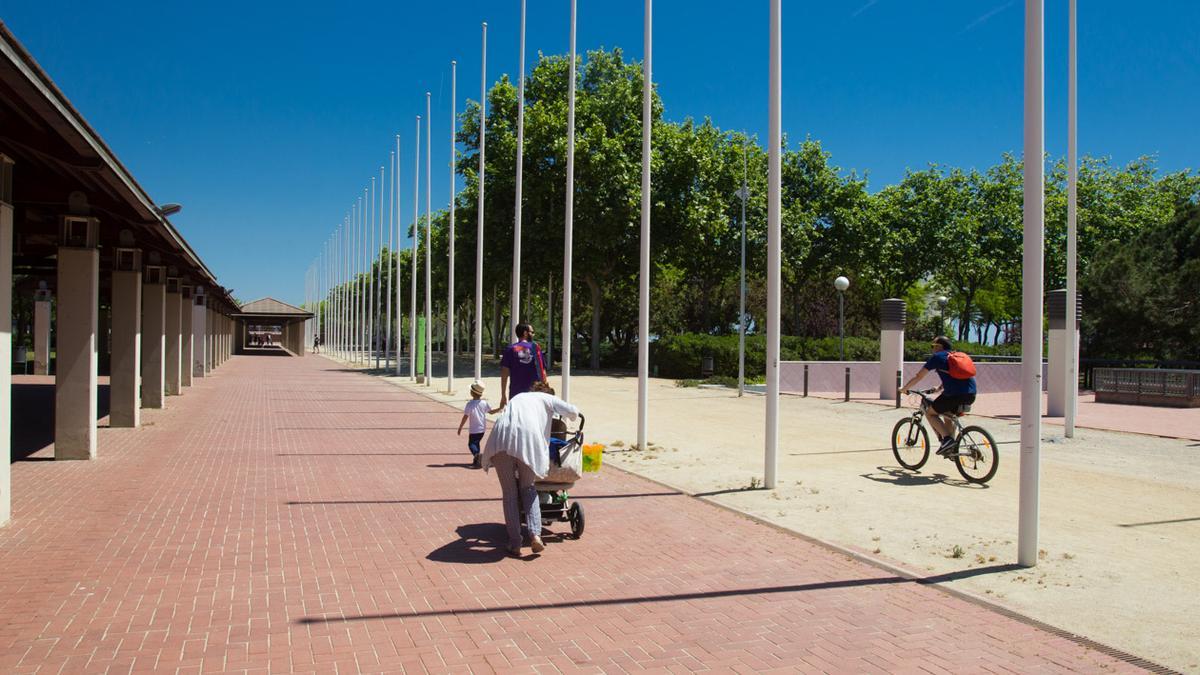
523, 430
476, 412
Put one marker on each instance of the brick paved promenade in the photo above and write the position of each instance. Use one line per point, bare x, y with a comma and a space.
286, 515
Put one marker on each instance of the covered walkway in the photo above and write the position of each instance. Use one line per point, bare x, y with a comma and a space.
293, 515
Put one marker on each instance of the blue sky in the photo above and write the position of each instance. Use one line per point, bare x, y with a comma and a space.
266, 120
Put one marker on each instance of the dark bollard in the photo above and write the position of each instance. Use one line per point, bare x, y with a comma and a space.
806, 379
847, 384
899, 379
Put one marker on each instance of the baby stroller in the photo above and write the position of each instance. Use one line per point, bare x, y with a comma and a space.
566, 452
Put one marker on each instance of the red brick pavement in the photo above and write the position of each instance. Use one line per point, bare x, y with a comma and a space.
288, 516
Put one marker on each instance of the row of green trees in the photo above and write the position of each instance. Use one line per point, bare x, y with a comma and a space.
940, 230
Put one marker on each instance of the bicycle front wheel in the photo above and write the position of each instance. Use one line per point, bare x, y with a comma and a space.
910, 444
977, 457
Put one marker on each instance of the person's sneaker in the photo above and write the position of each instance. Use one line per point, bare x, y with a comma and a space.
948, 447
513, 551
476, 462
536, 545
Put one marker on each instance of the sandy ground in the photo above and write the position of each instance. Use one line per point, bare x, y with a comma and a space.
1120, 513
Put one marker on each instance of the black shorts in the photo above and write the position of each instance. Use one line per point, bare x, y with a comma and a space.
946, 404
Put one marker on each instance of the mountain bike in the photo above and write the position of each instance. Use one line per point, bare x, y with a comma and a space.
974, 450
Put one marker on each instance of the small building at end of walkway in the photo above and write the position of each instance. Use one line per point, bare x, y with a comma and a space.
270, 324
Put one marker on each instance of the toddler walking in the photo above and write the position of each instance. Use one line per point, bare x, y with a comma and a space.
476, 411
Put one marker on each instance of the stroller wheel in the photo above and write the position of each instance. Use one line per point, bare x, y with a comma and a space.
575, 515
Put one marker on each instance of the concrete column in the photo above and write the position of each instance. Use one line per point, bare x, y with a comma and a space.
41, 332
239, 336
185, 336
154, 337
126, 372
173, 326
892, 313
77, 317
199, 336
1056, 352
210, 328
6, 260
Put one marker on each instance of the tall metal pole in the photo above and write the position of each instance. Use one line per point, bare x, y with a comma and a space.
387, 348
416, 232
371, 303
745, 194
450, 269
644, 281
515, 291
364, 328
357, 280
428, 243
379, 294
1031, 284
1072, 231
774, 208
479, 209
569, 232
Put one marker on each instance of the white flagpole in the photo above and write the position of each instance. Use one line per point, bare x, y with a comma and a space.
364, 354
568, 233
416, 230
515, 292
387, 347
396, 255
428, 243
479, 209
644, 282
379, 326
1031, 284
357, 279
450, 269
371, 304
1072, 231
774, 238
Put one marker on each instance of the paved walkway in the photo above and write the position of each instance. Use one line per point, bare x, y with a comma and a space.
288, 515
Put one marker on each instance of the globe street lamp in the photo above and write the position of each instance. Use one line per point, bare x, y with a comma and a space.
841, 284
941, 301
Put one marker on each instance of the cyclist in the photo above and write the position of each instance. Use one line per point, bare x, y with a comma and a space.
955, 393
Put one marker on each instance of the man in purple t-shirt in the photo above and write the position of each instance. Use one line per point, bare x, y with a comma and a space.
521, 365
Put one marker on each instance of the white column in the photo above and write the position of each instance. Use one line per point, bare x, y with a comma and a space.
125, 372
428, 243
199, 334
416, 237
6, 251
154, 338
892, 314
1071, 376
479, 214
1031, 286
186, 338
75, 372
174, 369
515, 291
569, 228
644, 270
774, 204
450, 268
41, 333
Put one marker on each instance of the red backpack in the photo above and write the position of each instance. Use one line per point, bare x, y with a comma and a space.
961, 367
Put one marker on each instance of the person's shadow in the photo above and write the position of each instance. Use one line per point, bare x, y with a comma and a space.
477, 543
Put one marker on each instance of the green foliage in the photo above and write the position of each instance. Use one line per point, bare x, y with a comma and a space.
1143, 293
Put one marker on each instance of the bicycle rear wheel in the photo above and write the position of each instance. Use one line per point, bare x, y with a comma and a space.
910, 444
977, 457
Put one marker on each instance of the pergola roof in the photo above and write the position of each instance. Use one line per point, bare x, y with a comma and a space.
272, 308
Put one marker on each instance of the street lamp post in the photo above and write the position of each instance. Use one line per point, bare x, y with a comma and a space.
841, 284
744, 193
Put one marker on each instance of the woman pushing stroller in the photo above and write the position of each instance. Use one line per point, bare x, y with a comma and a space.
518, 448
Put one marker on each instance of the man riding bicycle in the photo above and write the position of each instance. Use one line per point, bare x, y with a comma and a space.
955, 393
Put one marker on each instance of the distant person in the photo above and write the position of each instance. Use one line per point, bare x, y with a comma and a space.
476, 411
956, 392
521, 365
316, 344
519, 448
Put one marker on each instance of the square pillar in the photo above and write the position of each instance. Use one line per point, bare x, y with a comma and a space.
76, 360
173, 327
209, 323
125, 408
892, 315
199, 334
1057, 359
185, 335
6, 259
41, 331
154, 337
